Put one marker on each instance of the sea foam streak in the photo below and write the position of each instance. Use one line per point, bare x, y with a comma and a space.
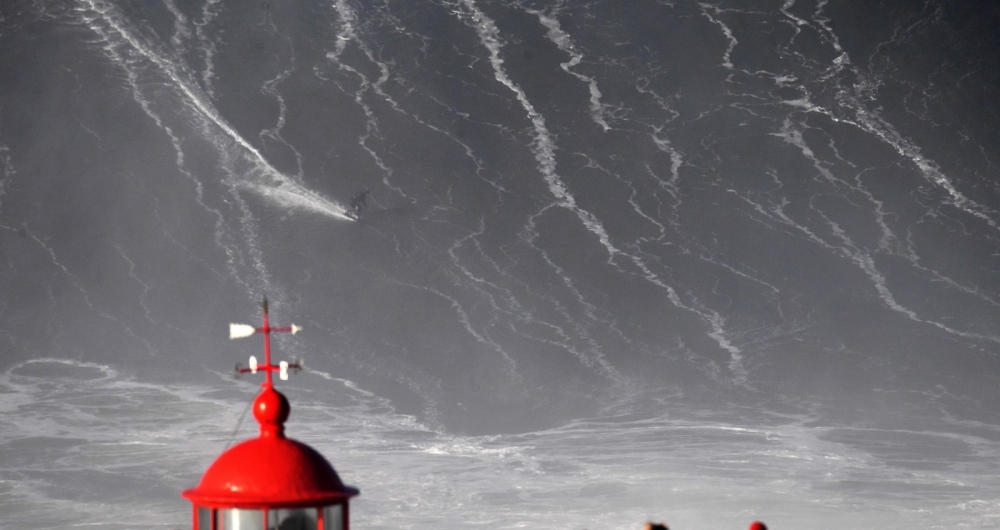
544, 149
262, 178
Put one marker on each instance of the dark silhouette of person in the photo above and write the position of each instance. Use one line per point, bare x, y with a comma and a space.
359, 202
655, 526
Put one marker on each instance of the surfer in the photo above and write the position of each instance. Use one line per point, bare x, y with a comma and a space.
359, 202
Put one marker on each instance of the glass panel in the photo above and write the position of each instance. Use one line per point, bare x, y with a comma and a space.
237, 519
332, 518
204, 518
293, 519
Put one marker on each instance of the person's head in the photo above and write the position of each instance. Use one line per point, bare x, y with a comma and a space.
757, 525
655, 526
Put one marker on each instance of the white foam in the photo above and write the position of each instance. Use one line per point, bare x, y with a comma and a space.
873, 123
181, 31
563, 41
208, 13
262, 178
726, 55
544, 148
481, 337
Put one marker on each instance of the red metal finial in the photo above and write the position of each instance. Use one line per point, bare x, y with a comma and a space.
238, 331
271, 409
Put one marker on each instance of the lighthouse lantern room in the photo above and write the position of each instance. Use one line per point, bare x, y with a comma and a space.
270, 482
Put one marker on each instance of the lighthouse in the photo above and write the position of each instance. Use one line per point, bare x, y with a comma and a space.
270, 482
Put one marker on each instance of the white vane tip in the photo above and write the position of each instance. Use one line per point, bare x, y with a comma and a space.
296, 329
283, 373
253, 364
238, 331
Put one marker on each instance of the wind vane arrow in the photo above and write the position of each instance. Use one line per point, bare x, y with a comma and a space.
239, 331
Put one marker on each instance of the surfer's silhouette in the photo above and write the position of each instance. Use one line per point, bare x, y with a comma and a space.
359, 202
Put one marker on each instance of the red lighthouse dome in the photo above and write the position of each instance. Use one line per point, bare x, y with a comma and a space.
270, 482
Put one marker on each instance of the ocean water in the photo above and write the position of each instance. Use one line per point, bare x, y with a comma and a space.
701, 262
84, 445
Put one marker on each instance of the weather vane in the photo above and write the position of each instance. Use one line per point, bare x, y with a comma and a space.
239, 331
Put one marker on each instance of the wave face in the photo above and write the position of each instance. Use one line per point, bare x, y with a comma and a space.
620, 260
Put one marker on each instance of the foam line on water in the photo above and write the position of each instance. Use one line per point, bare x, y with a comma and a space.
132, 76
181, 31
506, 303
466, 321
291, 193
270, 87
208, 13
872, 121
347, 33
544, 148
732, 42
85, 296
565, 43
861, 258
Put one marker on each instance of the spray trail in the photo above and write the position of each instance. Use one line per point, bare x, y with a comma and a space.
262, 178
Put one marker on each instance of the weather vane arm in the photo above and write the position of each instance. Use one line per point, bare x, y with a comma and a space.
239, 331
